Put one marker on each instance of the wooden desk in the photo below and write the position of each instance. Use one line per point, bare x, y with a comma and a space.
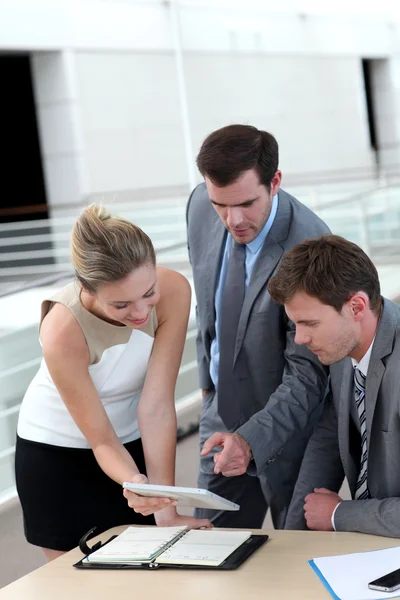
278, 570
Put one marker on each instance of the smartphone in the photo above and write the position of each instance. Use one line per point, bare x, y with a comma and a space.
387, 583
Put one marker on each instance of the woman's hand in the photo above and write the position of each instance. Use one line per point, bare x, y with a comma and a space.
143, 504
164, 507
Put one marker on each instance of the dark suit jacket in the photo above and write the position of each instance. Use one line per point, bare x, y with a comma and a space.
281, 384
330, 456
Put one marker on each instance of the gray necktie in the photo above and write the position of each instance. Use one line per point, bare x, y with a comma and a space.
359, 390
231, 306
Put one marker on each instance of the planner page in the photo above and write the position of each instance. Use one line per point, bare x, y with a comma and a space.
136, 545
204, 547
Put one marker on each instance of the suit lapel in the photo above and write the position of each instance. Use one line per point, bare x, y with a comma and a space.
383, 345
373, 383
215, 248
346, 397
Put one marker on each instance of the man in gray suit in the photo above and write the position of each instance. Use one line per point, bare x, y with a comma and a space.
330, 290
262, 394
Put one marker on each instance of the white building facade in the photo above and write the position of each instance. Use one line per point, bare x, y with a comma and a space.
126, 91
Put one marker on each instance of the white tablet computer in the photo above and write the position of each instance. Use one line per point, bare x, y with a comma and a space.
194, 497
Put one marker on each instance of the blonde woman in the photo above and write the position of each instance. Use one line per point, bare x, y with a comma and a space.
100, 410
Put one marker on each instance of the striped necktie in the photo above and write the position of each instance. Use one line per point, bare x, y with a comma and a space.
359, 390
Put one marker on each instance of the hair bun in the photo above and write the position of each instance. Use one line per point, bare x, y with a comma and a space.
106, 248
96, 212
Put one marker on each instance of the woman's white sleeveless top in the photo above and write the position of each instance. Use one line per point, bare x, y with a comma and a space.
119, 358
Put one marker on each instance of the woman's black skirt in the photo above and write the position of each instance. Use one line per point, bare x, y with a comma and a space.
64, 493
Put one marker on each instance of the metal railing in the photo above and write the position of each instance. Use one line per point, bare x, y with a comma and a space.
371, 220
38, 248
32, 249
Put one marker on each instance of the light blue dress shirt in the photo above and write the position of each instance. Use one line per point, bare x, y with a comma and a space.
252, 252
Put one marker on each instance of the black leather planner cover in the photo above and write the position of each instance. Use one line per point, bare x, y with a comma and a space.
237, 558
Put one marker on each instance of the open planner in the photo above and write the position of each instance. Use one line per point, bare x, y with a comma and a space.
153, 547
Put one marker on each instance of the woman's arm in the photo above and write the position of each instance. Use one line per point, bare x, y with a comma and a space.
67, 358
156, 412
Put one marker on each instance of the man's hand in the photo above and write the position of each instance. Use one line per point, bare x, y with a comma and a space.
235, 456
319, 507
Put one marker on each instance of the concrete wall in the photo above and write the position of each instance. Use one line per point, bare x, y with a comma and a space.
131, 119
60, 130
107, 91
309, 103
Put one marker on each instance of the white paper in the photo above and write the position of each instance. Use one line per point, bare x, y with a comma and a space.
349, 574
136, 544
204, 547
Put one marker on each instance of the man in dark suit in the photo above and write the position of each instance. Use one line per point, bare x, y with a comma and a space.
330, 290
262, 394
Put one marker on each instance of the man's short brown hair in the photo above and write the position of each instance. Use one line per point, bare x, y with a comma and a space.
329, 268
228, 152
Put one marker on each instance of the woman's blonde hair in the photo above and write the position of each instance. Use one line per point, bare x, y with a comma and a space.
106, 249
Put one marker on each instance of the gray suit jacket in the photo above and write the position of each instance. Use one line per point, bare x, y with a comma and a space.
331, 453
281, 384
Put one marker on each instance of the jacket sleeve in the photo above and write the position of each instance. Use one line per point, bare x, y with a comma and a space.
291, 407
203, 363
321, 466
374, 516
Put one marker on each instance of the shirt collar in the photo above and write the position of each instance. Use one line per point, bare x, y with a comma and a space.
364, 362
256, 244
